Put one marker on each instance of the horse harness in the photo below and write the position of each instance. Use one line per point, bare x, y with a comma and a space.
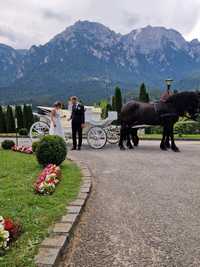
161, 109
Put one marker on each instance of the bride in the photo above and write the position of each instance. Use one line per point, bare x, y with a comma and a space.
56, 127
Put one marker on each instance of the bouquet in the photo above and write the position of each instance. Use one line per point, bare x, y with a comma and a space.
48, 179
23, 149
9, 231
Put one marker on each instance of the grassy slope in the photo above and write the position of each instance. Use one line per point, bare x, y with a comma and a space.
36, 213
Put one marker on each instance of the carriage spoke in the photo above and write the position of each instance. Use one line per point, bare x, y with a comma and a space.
39, 129
96, 137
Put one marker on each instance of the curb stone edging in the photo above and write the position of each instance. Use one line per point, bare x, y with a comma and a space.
53, 247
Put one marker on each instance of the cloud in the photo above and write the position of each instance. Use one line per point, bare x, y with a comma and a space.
13, 38
130, 19
60, 16
8, 34
35, 21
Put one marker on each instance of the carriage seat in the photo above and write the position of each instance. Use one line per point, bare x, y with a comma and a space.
112, 116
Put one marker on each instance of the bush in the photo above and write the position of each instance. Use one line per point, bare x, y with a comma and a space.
2, 120
187, 127
35, 146
51, 149
19, 116
7, 144
23, 131
10, 121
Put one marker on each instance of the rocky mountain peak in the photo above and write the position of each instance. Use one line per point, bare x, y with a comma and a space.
150, 38
91, 31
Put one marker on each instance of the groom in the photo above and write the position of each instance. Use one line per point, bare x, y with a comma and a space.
78, 121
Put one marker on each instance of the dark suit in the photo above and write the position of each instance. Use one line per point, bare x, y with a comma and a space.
78, 118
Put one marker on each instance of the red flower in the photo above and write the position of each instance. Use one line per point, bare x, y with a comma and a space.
8, 224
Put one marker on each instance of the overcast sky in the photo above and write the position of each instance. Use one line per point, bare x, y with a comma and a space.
27, 22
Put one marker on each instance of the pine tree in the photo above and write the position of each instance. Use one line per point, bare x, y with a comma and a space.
104, 111
118, 101
25, 117
2, 121
143, 96
113, 103
10, 121
30, 117
19, 116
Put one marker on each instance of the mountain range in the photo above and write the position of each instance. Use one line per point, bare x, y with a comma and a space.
88, 59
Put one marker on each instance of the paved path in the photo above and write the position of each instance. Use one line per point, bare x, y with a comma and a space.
144, 209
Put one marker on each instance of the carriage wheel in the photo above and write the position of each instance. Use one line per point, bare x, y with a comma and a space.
113, 133
39, 129
96, 137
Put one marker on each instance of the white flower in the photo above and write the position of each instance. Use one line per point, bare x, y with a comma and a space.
1, 220
4, 238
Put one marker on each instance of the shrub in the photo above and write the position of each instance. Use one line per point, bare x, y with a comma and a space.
51, 150
35, 146
2, 120
10, 121
23, 131
28, 118
19, 116
187, 127
7, 144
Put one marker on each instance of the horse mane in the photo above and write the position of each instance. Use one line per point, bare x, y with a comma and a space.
182, 100
180, 96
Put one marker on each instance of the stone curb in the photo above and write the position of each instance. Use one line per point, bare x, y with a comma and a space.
53, 247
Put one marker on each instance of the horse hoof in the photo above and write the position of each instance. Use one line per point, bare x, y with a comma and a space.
122, 148
163, 148
130, 147
176, 149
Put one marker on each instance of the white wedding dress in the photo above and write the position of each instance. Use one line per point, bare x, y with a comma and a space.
58, 130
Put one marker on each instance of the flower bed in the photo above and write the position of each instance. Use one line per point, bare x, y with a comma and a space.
22, 149
48, 179
9, 231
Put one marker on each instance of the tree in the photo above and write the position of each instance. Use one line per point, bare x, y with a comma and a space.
28, 118
104, 111
2, 121
19, 116
10, 121
143, 96
113, 103
118, 101
25, 117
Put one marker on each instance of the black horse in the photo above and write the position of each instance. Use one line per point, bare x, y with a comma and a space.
165, 114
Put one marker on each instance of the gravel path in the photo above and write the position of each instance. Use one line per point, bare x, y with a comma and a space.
144, 209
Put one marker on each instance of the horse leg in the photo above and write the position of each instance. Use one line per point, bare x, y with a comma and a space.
173, 145
162, 144
167, 142
135, 138
122, 137
129, 134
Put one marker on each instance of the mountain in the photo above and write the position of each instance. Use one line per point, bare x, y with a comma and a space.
190, 82
11, 62
88, 59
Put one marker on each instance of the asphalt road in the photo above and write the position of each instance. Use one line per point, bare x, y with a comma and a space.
144, 209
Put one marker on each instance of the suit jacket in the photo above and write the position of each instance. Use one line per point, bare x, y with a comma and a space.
78, 114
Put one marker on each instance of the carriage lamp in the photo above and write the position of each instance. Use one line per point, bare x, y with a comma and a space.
168, 83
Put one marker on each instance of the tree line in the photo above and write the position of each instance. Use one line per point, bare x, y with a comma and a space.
117, 101
23, 114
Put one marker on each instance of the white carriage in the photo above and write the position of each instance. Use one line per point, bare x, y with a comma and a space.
97, 131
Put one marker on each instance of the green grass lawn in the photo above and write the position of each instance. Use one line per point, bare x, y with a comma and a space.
36, 213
